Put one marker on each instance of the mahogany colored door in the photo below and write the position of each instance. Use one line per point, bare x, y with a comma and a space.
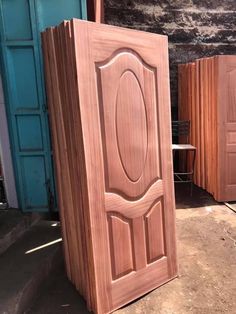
226, 127
125, 112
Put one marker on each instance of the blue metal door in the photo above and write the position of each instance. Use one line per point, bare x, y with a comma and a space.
22, 72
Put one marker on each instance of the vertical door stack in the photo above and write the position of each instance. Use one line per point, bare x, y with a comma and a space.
108, 94
213, 124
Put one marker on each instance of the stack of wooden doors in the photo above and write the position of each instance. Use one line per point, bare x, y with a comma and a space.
207, 97
109, 108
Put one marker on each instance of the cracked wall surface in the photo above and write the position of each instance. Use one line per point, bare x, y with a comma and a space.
196, 28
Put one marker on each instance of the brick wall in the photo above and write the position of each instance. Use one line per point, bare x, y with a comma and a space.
196, 28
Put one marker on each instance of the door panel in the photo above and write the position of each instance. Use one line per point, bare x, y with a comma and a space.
128, 112
54, 12
33, 178
132, 154
23, 79
154, 236
231, 129
16, 20
120, 242
21, 22
29, 141
124, 94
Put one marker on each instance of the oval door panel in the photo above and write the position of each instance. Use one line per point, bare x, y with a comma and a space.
131, 126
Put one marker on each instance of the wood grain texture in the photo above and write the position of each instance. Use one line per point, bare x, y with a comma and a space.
120, 235
99, 11
154, 238
197, 169
214, 122
110, 109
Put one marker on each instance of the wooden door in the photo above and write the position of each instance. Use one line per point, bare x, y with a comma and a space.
226, 127
123, 84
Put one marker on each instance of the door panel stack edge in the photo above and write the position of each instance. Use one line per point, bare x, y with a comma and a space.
63, 100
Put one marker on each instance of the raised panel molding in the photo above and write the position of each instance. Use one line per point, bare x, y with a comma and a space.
135, 208
231, 137
129, 124
155, 237
131, 113
231, 106
231, 170
121, 246
130, 237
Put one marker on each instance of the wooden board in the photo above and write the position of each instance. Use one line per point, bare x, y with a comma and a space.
110, 115
197, 169
226, 130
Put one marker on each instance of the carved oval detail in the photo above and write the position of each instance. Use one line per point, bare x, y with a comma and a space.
131, 126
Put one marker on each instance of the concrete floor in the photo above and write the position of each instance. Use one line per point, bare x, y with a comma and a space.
206, 233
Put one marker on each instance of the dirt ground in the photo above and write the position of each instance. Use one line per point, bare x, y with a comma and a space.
206, 233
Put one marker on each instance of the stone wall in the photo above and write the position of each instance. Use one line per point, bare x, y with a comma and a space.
196, 28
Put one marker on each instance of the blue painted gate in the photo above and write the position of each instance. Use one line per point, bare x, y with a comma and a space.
20, 23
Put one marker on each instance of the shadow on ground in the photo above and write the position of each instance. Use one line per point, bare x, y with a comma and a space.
199, 197
58, 296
